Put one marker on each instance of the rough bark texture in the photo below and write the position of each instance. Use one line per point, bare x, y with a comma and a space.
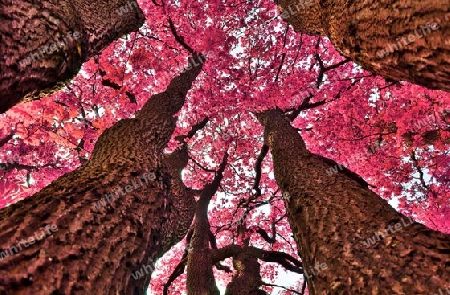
247, 277
43, 43
245, 262
247, 270
200, 276
396, 39
333, 216
96, 249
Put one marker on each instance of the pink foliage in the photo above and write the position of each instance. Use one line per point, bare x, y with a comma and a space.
395, 136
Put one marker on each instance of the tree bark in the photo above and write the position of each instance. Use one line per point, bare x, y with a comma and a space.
333, 216
43, 43
401, 40
97, 248
200, 276
247, 277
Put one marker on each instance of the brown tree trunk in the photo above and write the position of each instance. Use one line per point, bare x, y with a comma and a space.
332, 218
101, 248
43, 43
247, 277
397, 39
200, 276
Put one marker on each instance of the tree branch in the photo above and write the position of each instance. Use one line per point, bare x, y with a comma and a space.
290, 290
179, 270
6, 139
259, 160
285, 260
194, 129
419, 169
179, 38
266, 236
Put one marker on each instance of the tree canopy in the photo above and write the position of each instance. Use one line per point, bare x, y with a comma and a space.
396, 135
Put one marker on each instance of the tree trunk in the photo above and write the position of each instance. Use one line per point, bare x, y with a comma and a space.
200, 276
337, 224
98, 247
401, 40
247, 277
43, 43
